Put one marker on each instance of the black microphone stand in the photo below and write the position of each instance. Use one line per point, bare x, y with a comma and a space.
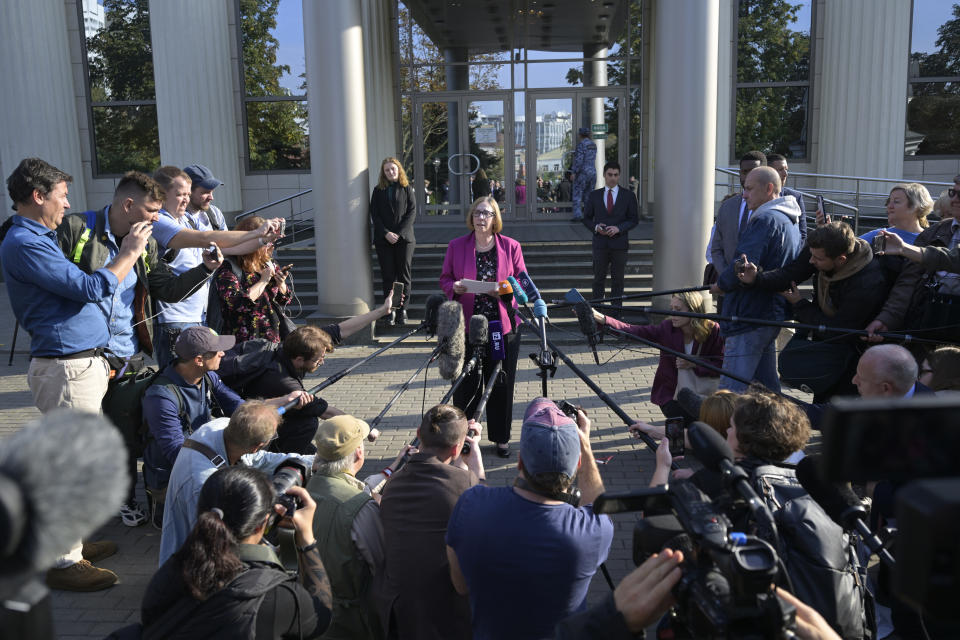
406, 385
600, 393
546, 360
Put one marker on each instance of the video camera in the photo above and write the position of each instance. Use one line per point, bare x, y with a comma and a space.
726, 589
913, 444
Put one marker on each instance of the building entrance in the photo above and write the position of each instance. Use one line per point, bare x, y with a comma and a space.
470, 144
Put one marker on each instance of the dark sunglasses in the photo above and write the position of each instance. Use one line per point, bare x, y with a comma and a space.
952, 193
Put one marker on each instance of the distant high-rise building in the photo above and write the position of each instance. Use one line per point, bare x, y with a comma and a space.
93, 18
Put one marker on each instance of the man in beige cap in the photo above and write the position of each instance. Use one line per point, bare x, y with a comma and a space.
347, 527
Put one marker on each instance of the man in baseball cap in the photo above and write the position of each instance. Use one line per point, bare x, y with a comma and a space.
181, 400
201, 195
526, 554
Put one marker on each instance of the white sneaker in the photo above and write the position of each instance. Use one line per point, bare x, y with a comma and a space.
132, 515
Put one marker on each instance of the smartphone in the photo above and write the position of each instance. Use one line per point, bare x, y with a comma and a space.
739, 265
674, 433
567, 408
820, 204
212, 251
879, 243
397, 295
287, 268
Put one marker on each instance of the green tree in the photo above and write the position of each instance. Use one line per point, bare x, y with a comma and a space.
934, 107
120, 60
769, 50
277, 130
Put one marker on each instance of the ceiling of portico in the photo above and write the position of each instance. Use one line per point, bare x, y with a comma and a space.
485, 26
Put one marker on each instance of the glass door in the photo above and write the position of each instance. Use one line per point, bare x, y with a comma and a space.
461, 143
553, 120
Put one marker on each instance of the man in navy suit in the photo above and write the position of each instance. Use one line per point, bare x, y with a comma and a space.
610, 213
779, 164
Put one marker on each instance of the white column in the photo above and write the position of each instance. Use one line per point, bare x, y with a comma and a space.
862, 93
338, 155
380, 86
726, 67
685, 147
38, 101
196, 114
595, 75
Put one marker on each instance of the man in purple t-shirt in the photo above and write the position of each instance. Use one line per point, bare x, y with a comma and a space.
526, 554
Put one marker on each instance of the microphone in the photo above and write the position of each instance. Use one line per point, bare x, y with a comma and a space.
540, 313
528, 287
715, 454
840, 503
61, 478
518, 293
505, 291
498, 351
479, 331
450, 335
587, 326
430, 316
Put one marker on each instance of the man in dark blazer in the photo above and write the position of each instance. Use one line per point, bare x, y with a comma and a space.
610, 213
732, 215
779, 164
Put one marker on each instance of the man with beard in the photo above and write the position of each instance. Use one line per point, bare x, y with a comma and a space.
300, 354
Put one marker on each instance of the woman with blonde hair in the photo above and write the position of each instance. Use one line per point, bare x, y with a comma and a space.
488, 256
698, 337
253, 292
393, 210
907, 208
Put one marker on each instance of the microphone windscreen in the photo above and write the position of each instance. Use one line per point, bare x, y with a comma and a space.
539, 308
452, 337
504, 288
585, 318
711, 447
70, 468
479, 331
518, 292
430, 316
498, 350
526, 283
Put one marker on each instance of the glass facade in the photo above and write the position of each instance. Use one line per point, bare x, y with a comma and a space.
546, 87
274, 85
772, 96
933, 85
120, 88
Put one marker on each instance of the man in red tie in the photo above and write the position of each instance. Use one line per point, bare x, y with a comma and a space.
610, 213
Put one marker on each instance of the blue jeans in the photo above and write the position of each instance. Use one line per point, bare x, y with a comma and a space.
752, 356
164, 336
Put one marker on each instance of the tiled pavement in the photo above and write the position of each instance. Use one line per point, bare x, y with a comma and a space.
625, 374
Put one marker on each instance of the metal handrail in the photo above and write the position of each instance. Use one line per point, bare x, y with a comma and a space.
245, 214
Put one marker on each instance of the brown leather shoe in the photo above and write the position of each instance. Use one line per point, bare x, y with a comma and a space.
94, 551
81, 576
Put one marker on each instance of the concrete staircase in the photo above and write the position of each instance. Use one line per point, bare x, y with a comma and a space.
555, 267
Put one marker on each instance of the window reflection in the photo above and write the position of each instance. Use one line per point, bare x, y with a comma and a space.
119, 69
933, 102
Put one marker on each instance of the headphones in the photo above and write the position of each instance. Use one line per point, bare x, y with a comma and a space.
571, 496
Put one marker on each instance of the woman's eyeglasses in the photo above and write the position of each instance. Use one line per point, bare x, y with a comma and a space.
483, 214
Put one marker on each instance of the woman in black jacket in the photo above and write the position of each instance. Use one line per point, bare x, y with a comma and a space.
393, 209
223, 583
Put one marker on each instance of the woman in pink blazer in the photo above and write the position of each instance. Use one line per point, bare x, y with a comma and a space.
486, 255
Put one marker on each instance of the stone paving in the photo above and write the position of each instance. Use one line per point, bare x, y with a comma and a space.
625, 373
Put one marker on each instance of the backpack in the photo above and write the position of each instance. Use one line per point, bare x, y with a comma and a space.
245, 362
817, 554
123, 405
214, 314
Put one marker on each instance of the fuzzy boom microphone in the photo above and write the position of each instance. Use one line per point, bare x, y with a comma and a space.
451, 336
61, 477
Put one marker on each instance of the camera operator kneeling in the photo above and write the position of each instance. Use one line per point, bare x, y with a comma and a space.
223, 583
